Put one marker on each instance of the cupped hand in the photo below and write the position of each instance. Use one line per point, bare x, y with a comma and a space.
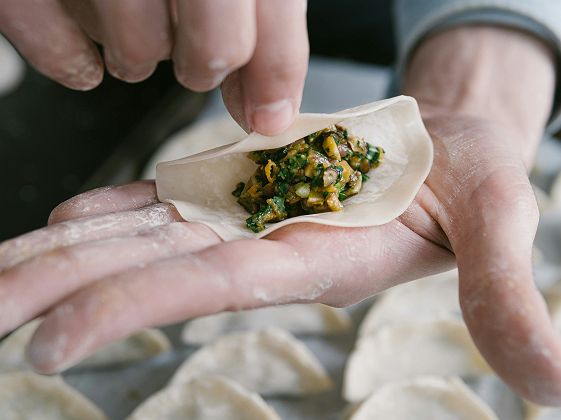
115, 260
259, 49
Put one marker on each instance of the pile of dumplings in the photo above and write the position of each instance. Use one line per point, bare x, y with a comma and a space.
27, 395
411, 356
243, 356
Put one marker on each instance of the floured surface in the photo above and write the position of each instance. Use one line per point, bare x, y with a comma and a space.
200, 186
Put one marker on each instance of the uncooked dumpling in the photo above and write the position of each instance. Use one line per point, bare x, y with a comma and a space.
142, 345
298, 319
12, 348
424, 398
424, 299
205, 398
396, 352
200, 185
271, 362
538, 412
26, 395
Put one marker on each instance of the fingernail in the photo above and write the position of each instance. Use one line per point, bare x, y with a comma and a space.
52, 351
272, 118
200, 84
46, 355
85, 77
137, 74
128, 74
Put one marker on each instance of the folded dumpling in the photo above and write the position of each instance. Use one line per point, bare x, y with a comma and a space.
26, 395
270, 362
395, 352
298, 319
205, 398
424, 398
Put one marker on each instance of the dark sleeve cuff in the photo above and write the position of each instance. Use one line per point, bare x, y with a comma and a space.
542, 18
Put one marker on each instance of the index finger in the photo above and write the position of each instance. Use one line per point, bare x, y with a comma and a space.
29, 245
106, 200
269, 88
232, 276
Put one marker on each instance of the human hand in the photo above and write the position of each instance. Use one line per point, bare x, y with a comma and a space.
115, 261
257, 50
486, 93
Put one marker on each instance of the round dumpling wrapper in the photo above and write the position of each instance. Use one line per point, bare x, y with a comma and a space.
200, 185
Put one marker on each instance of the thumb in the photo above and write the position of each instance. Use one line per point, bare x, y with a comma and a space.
232, 95
505, 313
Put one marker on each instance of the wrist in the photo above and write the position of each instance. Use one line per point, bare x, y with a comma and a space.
495, 74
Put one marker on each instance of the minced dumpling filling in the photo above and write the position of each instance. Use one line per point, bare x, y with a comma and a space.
312, 175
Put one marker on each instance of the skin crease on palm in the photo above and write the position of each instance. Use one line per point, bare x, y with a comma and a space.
114, 260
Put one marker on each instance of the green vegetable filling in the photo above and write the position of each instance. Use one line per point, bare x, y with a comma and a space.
312, 175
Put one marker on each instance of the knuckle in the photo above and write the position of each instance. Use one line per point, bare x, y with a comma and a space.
505, 190
487, 294
286, 66
131, 50
219, 55
519, 200
239, 54
203, 66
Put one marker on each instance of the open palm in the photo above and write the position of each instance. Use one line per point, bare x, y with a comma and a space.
114, 260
